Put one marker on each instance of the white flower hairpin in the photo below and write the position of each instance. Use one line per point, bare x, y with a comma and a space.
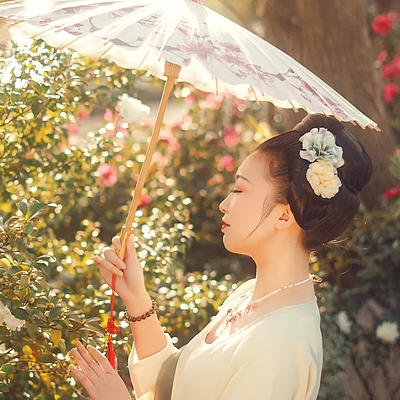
320, 149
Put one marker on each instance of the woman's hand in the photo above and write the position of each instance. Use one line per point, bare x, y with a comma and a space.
130, 280
99, 378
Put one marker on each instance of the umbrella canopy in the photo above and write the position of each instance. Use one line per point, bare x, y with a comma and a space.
216, 54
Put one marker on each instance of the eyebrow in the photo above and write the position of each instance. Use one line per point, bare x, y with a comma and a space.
241, 177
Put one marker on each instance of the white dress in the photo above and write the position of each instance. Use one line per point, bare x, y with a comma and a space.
276, 357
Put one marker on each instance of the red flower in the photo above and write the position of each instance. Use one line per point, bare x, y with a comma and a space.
398, 152
390, 91
392, 69
394, 192
383, 23
231, 137
145, 200
227, 163
108, 173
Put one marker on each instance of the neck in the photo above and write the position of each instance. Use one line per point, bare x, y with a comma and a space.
280, 268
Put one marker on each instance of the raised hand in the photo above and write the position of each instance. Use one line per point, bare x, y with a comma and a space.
130, 280
97, 376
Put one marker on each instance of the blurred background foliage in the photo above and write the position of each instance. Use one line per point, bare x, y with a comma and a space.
68, 166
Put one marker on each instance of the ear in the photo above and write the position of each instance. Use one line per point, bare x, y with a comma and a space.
285, 217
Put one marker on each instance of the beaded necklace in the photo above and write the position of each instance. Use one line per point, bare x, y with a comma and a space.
232, 314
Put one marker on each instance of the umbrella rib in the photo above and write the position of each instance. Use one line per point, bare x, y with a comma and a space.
294, 108
216, 85
255, 95
72, 41
41, 33
105, 52
141, 62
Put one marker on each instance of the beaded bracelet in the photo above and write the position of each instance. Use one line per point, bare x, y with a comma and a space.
143, 316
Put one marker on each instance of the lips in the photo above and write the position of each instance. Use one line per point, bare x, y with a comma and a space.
224, 225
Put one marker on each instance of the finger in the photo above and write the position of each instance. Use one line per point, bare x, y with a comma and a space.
111, 256
84, 366
82, 379
116, 241
131, 250
102, 360
88, 358
101, 262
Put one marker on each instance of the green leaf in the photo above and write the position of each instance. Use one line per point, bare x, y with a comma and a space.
94, 328
38, 315
29, 228
24, 282
37, 105
74, 317
55, 312
32, 330
61, 345
7, 368
3, 99
20, 313
23, 206
4, 387
34, 210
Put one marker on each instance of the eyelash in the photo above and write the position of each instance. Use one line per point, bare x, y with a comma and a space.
236, 191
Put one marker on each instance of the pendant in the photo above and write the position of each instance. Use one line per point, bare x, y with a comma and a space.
250, 307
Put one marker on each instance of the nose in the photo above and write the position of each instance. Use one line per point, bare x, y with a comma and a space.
223, 206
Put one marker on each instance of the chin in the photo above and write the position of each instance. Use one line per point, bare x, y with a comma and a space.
232, 248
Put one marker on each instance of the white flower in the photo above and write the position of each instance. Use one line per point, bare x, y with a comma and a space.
7, 318
322, 176
12, 322
4, 310
387, 332
319, 144
344, 322
132, 110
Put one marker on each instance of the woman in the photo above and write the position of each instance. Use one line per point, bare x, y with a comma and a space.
296, 192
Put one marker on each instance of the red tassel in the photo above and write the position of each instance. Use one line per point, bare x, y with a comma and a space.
112, 328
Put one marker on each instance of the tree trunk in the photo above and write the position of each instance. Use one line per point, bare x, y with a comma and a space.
332, 40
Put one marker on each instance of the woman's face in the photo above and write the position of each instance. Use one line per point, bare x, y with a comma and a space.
244, 207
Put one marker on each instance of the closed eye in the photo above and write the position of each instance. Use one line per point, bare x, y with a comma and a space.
236, 191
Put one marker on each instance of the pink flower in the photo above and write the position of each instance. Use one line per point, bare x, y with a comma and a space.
212, 101
382, 56
398, 152
394, 192
108, 173
145, 200
392, 69
172, 142
73, 129
390, 91
383, 23
109, 115
84, 114
231, 137
227, 163
190, 99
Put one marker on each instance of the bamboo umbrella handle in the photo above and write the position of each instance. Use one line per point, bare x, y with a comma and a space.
171, 71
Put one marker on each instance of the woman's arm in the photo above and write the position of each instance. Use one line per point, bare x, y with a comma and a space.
147, 334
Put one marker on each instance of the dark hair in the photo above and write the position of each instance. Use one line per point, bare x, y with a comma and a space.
321, 219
